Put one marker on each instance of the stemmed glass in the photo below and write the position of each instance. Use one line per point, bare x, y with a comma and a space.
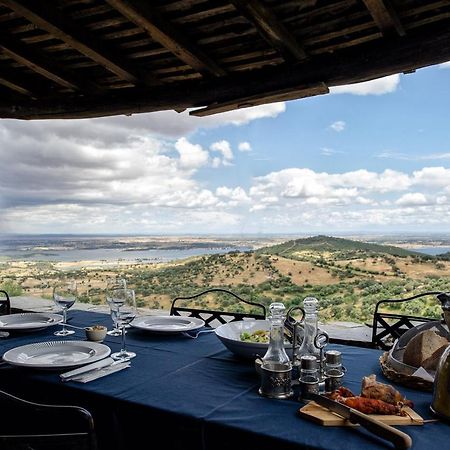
64, 296
113, 286
124, 309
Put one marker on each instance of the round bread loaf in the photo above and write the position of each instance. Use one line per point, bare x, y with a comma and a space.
425, 349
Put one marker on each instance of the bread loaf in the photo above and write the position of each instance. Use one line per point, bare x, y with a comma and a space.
425, 349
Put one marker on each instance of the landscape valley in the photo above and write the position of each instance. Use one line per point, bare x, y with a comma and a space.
347, 276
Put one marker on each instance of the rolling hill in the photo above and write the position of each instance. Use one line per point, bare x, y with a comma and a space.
344, 247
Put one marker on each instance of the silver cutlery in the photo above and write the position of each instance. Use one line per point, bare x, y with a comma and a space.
195, 336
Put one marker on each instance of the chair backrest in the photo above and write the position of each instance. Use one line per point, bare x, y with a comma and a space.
5, 303
387, 327
214, 318
26, 425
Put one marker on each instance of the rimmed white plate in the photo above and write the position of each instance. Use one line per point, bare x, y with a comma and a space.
56, 354
167, 324
29, 321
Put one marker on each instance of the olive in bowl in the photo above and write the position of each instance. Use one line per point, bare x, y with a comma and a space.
96, 333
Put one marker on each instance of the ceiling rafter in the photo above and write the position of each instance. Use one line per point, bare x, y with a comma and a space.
146, 17
15, 85
271, 29
43, 65
83, 42
385, 16
280, 95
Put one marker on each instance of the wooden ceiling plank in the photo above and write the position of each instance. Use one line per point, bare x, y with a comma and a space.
270, 28
143, 15
385, 16
268, 97
44, 66
15, 86
75, 38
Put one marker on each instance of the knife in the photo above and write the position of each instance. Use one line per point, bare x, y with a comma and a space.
400, 440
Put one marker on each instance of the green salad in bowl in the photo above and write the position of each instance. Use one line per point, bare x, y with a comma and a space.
256, 336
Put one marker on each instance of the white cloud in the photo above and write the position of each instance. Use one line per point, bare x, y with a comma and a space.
192, 156
224, 148
380, 86
338, 126
326, 151
244, 147
412, 199
411, 157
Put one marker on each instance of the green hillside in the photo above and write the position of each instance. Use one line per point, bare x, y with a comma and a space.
343, 247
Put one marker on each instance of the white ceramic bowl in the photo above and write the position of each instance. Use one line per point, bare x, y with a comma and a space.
230, 333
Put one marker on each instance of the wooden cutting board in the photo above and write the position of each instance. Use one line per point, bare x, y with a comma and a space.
325, 417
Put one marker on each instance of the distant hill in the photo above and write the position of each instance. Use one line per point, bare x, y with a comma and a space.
445, 256
333, 244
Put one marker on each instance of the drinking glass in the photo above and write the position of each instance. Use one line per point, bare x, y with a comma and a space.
124, 309
112, 286
64, 296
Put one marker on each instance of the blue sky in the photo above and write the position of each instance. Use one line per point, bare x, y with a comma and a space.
371, 158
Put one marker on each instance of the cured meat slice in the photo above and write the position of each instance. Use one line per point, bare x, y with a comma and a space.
371, 406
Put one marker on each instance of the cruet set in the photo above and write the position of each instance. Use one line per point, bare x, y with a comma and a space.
310, 367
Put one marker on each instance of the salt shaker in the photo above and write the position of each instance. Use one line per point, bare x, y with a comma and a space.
334, 371
309, 376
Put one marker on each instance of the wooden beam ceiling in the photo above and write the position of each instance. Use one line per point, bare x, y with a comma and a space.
44, 66
385, 16
83, 42
391, 56
146, 17
271, 29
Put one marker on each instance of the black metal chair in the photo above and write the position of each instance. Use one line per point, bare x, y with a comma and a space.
5, 304
26, 425
387, 327
214, 318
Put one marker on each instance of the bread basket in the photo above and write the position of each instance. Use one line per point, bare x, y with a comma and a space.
396, 370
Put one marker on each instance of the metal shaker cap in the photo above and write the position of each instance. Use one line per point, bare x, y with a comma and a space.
308, 362
333, 357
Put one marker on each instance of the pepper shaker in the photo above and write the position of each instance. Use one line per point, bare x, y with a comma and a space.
334, 371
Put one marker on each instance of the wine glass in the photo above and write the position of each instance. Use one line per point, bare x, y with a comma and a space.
124, 309
113, 286
64, 296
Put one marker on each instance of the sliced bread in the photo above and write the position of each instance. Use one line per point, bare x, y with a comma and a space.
425, 349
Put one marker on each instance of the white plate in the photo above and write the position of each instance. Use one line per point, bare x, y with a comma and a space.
167, 324
230, 335
56, 354
29, 321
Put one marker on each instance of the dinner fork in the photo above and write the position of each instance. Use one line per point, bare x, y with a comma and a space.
195, 336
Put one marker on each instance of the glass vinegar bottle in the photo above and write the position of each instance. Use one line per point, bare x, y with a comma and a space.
276, 357
310, 305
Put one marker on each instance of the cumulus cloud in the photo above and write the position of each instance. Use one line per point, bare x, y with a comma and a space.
192, 156
412, 199
244, 147
380, 86
224, 148
338, 126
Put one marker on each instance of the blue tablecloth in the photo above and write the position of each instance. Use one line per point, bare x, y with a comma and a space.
193, 393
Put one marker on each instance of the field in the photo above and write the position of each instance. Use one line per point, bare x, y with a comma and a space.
347, 277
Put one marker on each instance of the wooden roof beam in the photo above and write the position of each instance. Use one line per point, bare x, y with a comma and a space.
43, 65
385, 16
15, 85
146, 17
270, 28
280, 95
81, 40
